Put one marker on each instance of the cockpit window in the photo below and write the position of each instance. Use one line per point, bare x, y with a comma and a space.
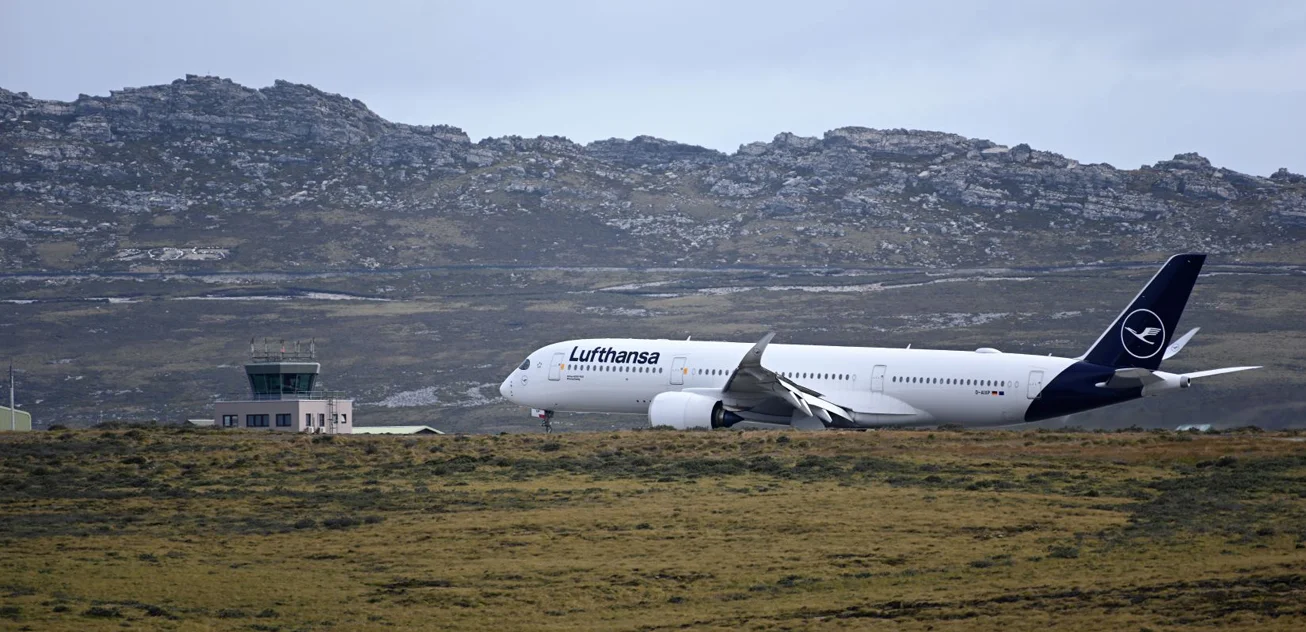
526, 364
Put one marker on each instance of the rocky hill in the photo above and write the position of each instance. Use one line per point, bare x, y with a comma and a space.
146, 236
206, 174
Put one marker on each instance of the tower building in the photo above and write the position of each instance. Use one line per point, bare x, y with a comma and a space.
284, 394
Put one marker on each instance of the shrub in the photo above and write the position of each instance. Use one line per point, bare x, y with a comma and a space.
341, 522
1063, 552
101, 612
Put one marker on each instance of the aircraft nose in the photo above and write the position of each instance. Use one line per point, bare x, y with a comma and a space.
505, 389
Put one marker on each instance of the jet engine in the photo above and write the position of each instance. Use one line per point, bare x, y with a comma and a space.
689, 411
1169, 382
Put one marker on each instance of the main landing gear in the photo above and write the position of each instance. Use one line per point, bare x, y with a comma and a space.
545, 417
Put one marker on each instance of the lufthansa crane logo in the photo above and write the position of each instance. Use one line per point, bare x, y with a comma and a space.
1142, 333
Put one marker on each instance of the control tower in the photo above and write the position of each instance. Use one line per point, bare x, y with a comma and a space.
283, 394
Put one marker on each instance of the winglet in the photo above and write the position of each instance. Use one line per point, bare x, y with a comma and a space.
1176, 346
753, 359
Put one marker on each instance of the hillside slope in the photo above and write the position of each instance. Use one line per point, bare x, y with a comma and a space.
289, 176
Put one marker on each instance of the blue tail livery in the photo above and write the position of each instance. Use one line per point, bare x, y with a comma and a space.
1139, 336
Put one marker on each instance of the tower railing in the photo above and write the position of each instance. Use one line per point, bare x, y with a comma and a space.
272, 397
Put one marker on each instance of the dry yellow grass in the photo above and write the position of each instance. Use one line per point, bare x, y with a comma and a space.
203, 530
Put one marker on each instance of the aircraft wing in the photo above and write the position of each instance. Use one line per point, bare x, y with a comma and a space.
1134, 377
1210, 372
750, 380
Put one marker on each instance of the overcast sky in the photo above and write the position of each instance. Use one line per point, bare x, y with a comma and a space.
1128, 82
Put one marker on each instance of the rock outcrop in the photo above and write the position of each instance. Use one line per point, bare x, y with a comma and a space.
292, 175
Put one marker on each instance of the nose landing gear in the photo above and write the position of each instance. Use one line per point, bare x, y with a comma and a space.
545, 417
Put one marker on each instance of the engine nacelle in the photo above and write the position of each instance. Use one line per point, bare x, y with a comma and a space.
687, 411
1170, 382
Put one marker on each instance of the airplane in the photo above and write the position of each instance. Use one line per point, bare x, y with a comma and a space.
690, 384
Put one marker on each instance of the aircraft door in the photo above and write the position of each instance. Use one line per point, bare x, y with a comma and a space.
1035, 384
555, 369
877, 378
678, 370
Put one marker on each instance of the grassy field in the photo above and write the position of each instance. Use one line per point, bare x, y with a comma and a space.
173, 529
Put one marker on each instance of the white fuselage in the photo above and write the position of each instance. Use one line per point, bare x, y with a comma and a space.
881, 386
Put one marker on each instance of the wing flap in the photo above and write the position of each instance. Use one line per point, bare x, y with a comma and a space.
751, 379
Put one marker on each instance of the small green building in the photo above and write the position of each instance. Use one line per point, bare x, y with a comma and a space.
17, 421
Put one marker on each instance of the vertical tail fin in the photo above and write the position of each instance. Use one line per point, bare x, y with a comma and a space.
1139, 335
